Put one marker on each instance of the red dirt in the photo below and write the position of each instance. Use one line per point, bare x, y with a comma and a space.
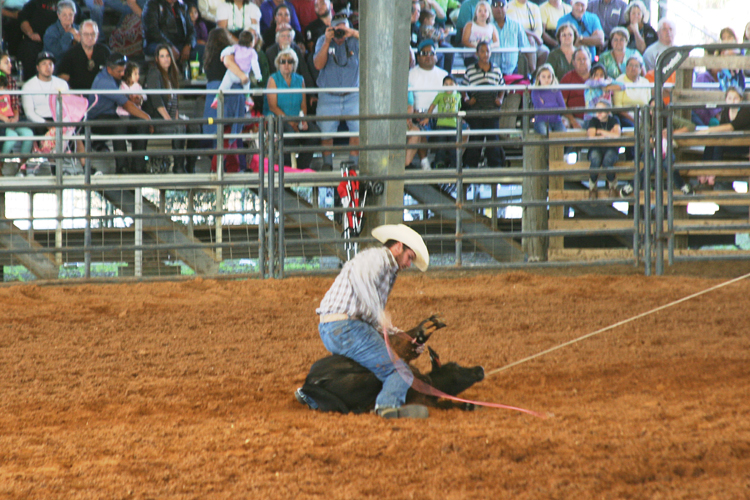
184, 390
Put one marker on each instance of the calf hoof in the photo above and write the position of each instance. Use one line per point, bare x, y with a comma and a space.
468, 407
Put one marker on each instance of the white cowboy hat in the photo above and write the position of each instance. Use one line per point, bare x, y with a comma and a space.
408, 237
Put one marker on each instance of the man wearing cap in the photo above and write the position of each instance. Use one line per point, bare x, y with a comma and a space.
337, 60
425, 75
82, 62
352, 315
589, 26
36, 91
105, 109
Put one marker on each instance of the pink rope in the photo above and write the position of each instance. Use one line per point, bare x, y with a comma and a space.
424, 388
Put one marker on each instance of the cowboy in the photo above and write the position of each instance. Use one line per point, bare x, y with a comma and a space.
352, 315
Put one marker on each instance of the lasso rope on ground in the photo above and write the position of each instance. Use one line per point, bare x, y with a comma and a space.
619, 323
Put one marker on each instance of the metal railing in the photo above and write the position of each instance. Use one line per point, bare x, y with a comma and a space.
287, 216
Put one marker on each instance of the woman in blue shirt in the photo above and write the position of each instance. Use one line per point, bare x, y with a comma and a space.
290, 104
64, 33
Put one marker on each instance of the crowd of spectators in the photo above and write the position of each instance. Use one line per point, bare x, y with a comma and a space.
315, 43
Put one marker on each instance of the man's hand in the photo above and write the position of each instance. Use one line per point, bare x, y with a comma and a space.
245, 80
329, 34
35, 37
185, 55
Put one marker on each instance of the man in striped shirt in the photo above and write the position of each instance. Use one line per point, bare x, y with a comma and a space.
352, 315
484, 72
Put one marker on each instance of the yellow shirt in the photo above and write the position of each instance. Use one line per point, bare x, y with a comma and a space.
631, 97
527, 15
550, 14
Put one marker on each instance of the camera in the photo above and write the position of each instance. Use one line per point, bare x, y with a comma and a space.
339, 33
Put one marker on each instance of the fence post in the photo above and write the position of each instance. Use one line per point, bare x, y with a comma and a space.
535, 218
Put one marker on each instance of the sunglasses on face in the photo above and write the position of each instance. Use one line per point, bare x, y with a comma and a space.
286, 61
498, 4
426, 53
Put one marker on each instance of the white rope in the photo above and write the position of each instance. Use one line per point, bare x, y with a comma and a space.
619, 323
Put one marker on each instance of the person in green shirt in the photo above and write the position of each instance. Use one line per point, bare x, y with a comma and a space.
448, 101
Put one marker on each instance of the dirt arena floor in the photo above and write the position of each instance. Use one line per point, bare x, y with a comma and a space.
184, 390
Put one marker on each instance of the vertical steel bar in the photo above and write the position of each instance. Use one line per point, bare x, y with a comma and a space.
218, 221
138, 233
271, 187
87, 182
659, 176
670, 188
58, 178
647, 195
459, 189
281, 163
638, 152
261, 198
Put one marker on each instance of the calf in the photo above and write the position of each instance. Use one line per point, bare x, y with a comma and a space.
337, 383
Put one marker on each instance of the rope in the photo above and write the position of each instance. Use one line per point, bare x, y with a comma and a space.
619, 323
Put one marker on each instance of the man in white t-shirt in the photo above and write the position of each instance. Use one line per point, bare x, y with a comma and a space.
37, 90
235, 20
424, 76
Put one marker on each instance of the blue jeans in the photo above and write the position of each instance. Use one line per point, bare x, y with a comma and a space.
544, 127
603, 158
359, 341
18, 132
337, 105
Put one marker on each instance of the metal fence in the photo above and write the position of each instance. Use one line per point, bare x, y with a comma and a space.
274, 223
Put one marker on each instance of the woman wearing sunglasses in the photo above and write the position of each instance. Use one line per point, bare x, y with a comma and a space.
290, 104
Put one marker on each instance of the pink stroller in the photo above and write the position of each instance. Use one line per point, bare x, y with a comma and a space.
74, 109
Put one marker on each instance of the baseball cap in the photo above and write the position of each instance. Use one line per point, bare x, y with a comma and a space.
116, 59
424, 43
45, 55
340, 17
584, 2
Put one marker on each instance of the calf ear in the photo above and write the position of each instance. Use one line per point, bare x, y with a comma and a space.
434, 358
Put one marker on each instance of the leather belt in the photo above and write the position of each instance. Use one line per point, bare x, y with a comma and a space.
329, 318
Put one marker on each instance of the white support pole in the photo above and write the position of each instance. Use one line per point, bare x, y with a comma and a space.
138, 233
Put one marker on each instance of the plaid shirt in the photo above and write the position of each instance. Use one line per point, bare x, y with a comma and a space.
362, 287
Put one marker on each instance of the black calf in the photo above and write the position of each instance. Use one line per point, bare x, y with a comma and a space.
337, 383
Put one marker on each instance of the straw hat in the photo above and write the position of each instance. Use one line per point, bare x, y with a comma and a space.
408, 237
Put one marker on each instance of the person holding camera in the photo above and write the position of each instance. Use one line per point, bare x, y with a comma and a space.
337, 60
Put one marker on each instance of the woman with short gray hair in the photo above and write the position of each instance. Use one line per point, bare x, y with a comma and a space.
64, 33
289, 104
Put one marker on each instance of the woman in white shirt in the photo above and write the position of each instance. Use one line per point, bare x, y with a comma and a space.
238, 15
